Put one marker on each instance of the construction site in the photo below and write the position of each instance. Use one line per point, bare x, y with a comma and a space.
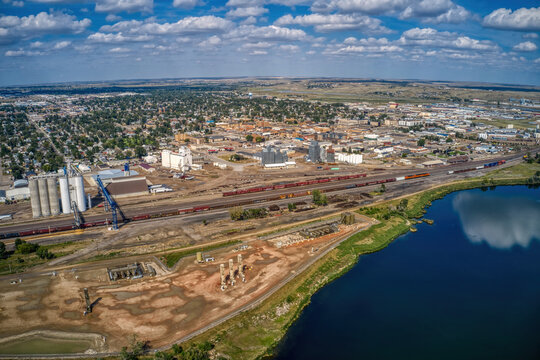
96, 306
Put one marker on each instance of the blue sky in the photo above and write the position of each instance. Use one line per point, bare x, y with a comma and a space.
43, 41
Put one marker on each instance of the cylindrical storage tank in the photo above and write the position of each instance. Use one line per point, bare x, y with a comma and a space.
34, 198
53, 196
79, 189
44, 197
64, 195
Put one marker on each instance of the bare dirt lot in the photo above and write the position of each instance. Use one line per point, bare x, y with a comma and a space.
158, 309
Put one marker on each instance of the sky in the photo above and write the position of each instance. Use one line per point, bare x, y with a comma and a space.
50, 41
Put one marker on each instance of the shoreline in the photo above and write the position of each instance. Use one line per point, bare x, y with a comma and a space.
332, 266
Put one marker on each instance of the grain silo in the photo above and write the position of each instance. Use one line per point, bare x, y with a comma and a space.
53, 195
44, 197
34, 197
79, 191
64, 194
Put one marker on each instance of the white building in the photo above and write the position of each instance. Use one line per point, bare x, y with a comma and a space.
353, 159
181, 160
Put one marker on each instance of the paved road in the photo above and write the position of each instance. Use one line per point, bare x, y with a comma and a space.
259, 197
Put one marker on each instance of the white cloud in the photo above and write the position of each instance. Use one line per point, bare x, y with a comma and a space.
257, 45
249, 20
444, 39
289, 48
187, 25
108, 38
37, 45
62, 45
537, 61
520, 20
247, 12
187, 4
116, 6
119, 50
525, 46
211, 42
113, 18
20, 52
530, 36
13, 28
266, 33
335, 22
14, 3
434, 11
258, 52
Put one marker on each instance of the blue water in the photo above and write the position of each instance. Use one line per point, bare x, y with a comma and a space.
467, 287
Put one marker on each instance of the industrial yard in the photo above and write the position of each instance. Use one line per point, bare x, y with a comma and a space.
146, 298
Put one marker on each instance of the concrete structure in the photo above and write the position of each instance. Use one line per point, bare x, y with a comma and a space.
353, 159
347, 218
181, 160
320, 230
231, 272
64, 194
44, 197
223, 277
125, 272
34, 198
79, 191
53, 196
271, 155
241, 268
314, 152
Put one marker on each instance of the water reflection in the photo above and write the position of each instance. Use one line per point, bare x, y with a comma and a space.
502, 222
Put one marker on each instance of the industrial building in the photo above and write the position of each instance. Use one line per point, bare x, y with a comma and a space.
272, 155
127, 186
314, 152
353, 159
181, 160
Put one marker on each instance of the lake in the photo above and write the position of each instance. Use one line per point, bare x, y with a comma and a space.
466, 287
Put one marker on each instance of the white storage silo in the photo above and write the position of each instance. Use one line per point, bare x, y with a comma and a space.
79, 190
34, 197
44, 197
64, 194
53, 196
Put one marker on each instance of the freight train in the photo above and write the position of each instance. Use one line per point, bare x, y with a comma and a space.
241, 202
289, 185
488, 165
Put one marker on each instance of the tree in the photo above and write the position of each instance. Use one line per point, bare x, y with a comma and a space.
319, 199
291, 206
383, 188
2, 250
449, 140
136, 349
177, 349
403, 204
249, 138
161, 355
421, 142
27, 248
236, 213
140, 152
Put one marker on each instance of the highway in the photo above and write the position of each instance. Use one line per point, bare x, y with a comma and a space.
252, 198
